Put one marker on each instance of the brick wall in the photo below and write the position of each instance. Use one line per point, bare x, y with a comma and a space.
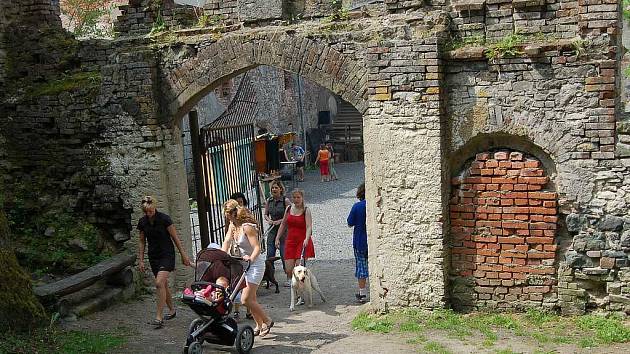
503, 225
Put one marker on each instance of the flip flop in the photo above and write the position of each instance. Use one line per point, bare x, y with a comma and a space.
157, 324
266, 329
169, 316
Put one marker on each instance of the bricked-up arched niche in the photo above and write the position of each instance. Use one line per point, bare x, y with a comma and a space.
209, 62
503, 219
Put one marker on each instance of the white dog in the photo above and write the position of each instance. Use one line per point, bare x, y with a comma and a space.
303, 283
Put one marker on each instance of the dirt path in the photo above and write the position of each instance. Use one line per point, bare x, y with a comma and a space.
323, 329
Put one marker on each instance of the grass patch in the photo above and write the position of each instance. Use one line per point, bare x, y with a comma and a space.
505, 351
52, 340
435, 347
369, 323
507, 47
546, 329
607, 330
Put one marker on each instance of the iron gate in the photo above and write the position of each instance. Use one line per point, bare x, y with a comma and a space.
227, 166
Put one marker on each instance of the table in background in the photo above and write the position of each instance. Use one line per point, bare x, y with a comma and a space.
293, 165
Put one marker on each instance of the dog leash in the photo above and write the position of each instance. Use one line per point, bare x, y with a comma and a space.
302, 259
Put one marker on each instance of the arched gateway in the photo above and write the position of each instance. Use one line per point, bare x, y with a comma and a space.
190, 71
189, 79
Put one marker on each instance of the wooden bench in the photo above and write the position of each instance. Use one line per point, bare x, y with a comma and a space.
113, 269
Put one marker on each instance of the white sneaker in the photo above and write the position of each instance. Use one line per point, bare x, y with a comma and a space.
287, 284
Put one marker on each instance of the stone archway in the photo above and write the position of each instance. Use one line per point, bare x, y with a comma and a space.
503, 227
189, 80
189, 72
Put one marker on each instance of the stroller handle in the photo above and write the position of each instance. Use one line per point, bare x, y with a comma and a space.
249, 262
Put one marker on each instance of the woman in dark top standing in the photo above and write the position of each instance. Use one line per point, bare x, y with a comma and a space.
158, 230
274, 212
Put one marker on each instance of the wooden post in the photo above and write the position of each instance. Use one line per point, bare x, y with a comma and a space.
202, 209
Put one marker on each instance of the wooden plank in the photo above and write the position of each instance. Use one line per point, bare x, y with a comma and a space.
87, 277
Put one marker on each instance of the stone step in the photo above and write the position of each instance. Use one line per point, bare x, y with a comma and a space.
350, 120
95, 297
106, 298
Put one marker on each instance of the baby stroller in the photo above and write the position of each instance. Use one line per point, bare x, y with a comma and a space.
215, 325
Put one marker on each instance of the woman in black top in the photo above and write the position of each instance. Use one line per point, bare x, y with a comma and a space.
158, 230
274, 212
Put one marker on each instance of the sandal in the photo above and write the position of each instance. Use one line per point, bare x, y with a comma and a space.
170, 316
157, 324
266, 329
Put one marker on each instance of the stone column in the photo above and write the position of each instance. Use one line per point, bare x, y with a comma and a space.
404, 175
176, 183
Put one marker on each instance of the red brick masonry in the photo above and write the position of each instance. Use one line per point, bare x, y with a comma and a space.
503, 226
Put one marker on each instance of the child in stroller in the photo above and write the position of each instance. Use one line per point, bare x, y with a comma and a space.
218, 279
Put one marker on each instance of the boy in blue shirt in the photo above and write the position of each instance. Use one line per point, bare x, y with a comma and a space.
356, 219
298, 155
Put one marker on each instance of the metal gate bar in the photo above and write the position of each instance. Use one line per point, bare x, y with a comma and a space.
227, 168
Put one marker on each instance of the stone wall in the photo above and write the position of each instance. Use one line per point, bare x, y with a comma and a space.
140, 17
493, 20
51, 143
259, 10
558, 103
277, 96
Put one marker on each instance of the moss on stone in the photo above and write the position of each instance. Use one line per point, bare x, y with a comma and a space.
19, 308
81, 80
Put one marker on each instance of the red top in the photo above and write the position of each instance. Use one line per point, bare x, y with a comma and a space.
295, 237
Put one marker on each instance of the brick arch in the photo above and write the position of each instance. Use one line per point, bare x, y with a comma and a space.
189, 80
503, 219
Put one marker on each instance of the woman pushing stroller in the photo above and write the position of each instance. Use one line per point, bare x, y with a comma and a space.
243, 231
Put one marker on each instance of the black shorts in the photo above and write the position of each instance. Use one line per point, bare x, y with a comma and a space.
299, 164
162, 264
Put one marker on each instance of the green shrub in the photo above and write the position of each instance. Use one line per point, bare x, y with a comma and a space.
29, 220
506, 48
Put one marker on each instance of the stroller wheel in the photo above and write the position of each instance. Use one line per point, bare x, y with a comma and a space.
194, 325
244, 339
195, 348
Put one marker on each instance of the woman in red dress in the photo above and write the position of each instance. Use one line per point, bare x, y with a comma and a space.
299, 225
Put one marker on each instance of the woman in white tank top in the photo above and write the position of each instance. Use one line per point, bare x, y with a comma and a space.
243, 231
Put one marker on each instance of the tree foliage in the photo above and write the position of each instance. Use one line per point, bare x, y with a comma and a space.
88, 18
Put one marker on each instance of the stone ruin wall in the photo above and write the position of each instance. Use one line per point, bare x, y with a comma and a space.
52, 142
557, 106
553, 107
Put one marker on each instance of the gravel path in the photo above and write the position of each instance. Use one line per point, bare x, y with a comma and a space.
331, 202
